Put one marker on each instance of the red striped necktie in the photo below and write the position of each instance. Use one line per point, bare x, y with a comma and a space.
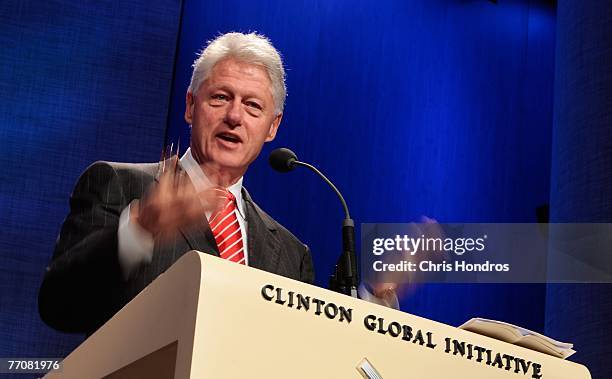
226, 230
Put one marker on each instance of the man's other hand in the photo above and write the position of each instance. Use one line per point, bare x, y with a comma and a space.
400, 284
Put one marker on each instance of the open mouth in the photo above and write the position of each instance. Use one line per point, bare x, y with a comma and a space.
229, 137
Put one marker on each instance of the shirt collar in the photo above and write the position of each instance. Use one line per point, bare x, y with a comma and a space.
200, 180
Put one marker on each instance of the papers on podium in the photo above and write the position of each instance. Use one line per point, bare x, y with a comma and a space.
519, 336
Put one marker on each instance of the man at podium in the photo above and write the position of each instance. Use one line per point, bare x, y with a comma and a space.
128, 223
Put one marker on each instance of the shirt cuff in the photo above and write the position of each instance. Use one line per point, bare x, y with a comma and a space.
390, 301
135, 244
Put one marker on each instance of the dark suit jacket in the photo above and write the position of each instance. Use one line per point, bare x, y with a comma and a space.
83, 286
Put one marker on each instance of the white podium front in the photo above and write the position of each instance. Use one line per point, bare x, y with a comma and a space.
209, 318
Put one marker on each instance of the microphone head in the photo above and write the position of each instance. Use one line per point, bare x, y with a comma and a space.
282, 159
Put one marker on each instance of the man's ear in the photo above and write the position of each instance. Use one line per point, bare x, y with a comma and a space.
189, 105
274, 127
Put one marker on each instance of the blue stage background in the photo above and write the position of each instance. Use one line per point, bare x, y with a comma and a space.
441, 108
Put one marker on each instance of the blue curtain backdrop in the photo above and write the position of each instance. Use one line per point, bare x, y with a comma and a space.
581, 185
439, 108
79, 82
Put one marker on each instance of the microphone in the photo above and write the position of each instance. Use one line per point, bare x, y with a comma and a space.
282, 160
345, 278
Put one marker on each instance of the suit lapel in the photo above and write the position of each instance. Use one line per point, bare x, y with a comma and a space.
263, 244
199, 237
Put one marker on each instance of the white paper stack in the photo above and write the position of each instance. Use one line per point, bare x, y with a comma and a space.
519, 336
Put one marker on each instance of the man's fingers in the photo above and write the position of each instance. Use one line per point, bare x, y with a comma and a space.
168, 172
174, 202
212, 199
194, 211
182, 208
384, 290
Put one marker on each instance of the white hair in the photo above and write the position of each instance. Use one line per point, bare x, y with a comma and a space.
251, 48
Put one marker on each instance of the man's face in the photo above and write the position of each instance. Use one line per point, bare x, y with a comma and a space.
232, 116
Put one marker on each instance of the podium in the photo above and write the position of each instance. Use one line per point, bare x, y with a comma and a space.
209, 318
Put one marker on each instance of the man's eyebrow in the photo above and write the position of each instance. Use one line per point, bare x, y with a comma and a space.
246, 95
258, 95
222, 87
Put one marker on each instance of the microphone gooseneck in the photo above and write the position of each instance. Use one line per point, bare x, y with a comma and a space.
333, 187
345, 278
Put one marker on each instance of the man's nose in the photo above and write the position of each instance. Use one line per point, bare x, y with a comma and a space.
233, 116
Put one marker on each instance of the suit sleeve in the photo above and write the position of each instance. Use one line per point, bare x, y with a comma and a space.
82, 285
